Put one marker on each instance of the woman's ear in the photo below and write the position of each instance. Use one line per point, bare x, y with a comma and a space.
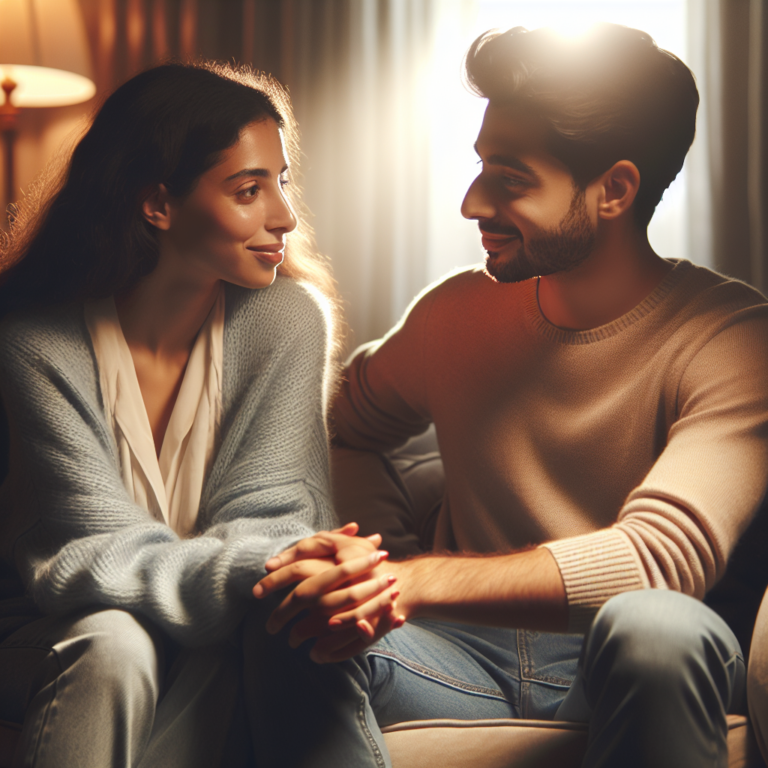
619, 187
156, 208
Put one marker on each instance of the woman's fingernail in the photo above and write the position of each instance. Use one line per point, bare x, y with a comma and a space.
364, 629
381, 555
334, 622
391, 579
394, 594
398, 622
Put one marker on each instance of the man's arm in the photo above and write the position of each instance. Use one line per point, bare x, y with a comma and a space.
522, 589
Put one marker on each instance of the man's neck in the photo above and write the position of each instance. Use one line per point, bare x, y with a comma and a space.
621, 272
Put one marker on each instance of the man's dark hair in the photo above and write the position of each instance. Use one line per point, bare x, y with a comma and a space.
609, 95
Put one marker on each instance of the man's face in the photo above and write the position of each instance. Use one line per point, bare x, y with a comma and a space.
533, 219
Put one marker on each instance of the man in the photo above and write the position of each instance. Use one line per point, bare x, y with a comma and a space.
602, 415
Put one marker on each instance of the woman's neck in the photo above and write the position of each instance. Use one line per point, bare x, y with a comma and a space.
162, 315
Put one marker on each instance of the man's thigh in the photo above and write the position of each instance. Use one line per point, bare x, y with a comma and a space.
432, 669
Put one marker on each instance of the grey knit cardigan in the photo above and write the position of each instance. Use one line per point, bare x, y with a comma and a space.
66, 521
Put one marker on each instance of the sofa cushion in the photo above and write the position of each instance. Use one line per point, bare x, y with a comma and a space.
520, 744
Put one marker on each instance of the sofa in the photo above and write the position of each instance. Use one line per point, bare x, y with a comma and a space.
398, 495
401, 493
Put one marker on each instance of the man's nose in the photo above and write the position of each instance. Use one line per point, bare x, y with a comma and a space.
478, 203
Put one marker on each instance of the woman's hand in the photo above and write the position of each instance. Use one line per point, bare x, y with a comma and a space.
338, 573
341, 544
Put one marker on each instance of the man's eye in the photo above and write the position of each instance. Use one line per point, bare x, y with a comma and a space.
511, 182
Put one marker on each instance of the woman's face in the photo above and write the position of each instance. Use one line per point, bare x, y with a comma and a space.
232, 225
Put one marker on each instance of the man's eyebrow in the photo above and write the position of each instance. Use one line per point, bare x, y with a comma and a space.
510, 161
260, 172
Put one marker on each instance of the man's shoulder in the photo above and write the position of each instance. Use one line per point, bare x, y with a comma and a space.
709, 302
714, 292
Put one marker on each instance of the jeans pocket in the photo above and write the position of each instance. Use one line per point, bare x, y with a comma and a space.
548, 663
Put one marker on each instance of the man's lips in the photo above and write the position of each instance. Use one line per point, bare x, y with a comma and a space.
494, 241
271, 253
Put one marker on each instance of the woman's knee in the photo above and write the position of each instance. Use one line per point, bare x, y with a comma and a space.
112, 646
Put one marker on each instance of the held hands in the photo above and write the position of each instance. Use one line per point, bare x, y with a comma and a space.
341, 581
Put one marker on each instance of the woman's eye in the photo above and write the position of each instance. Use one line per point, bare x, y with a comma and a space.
284, 181
249, 192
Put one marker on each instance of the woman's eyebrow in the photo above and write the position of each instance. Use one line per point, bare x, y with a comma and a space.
261, 172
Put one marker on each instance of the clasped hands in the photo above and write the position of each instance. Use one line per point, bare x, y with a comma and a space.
344, 584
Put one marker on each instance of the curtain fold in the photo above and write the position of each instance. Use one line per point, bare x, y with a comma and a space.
379, 136
356, 70
728, 200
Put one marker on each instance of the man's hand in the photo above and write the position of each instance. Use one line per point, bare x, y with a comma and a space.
337, 572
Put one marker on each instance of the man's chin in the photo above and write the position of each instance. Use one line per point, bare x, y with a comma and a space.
507, 270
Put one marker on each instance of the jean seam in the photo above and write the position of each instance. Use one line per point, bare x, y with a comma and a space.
527, 671
47, 716
431, 674
368, 735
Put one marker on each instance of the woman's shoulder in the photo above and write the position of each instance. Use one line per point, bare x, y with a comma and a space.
286, 309
56, 332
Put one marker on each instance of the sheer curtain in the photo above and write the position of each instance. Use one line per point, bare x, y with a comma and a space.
728, 203
387, 128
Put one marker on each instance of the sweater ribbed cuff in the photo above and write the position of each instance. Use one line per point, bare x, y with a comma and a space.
595, 567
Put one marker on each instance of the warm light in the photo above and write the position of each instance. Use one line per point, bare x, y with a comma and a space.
571, 27
44, 50
46, 87
44, 62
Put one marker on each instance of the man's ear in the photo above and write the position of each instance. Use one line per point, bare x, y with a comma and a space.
619, 186
156, 207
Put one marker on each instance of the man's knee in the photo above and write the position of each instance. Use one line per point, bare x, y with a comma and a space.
659, 639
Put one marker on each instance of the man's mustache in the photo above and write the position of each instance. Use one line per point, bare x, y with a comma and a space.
493, 228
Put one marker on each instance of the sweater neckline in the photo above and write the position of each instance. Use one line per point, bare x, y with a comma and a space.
541, 325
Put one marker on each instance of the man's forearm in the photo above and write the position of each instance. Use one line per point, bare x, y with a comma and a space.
523, 590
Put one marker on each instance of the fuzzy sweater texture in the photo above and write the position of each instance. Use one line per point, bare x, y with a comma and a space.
66, 521
636, 452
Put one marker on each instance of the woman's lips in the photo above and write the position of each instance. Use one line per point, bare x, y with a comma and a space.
271, 255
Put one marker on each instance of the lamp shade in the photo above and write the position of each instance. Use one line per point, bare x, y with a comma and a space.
44, 50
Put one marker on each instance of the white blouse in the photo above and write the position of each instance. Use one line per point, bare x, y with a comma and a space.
168, 486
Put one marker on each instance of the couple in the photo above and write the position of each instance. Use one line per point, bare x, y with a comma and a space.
164, 363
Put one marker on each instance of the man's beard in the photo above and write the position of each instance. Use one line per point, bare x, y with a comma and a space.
550, 250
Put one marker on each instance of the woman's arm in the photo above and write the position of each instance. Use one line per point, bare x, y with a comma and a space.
83, 541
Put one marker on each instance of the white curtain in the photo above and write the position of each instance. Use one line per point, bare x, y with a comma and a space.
387, 128
728, 201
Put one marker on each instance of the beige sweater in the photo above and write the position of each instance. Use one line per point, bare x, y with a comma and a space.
637, 452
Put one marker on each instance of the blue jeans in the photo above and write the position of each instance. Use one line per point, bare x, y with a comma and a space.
654, 678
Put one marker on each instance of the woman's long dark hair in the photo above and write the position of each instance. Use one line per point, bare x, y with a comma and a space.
78, 233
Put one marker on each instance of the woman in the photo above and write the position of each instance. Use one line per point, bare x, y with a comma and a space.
164, 363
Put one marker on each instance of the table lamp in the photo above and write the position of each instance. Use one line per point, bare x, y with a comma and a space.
44, 62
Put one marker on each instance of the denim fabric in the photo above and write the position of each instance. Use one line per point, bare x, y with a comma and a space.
431, 669
99, 696
657, 674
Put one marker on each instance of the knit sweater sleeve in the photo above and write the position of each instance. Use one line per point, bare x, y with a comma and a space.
78, 538
382, 400
678, 528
